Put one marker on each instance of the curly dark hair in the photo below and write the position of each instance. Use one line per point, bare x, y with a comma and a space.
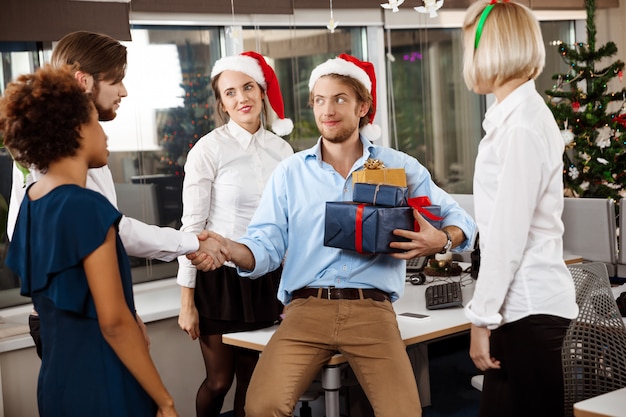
41, 115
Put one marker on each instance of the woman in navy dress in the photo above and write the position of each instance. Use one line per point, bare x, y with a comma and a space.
68, 254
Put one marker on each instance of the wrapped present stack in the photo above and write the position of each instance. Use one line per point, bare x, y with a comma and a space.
380, 205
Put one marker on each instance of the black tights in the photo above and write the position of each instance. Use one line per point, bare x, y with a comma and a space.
222, 363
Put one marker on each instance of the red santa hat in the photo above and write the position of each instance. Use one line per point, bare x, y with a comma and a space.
254, 65
361, 71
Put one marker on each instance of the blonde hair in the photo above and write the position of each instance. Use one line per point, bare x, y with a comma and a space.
511, 45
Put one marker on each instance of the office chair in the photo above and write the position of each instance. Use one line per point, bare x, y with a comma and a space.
312, 394
594, 348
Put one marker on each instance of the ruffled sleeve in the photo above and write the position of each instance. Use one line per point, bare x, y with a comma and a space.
53, 235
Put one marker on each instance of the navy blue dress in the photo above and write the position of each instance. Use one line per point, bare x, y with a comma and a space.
80, 373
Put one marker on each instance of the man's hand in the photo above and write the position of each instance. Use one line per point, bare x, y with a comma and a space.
427, 241
212, 252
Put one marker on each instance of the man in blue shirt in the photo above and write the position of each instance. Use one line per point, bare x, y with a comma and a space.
337, 300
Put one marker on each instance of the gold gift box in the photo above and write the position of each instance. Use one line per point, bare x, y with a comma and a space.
389, 176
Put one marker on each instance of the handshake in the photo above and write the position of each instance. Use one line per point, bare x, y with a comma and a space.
213, 251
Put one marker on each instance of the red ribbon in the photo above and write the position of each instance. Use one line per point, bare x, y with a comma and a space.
419, 204
358, 235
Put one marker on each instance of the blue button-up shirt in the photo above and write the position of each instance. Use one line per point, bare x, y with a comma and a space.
289, 224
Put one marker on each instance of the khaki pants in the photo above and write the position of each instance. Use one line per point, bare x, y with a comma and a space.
364, 331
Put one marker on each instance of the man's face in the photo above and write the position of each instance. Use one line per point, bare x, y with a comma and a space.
337, 110
107, 97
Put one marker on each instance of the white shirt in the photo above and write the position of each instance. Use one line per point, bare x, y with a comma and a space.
225, 174
518, 201
139, 239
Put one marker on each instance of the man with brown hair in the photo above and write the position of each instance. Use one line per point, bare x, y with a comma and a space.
99, 62
337, 300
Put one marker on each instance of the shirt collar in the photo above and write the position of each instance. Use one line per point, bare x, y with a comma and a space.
368, 149
245, 138
498, 112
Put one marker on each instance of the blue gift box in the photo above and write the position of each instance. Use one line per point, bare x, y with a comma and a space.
380, 194
365, 228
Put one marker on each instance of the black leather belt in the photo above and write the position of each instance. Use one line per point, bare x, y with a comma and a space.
341, 293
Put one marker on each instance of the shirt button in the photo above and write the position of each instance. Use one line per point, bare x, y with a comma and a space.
345, 268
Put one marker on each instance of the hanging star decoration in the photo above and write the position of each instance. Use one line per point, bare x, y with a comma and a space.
393, 5
430, 6
332, 23
234, 31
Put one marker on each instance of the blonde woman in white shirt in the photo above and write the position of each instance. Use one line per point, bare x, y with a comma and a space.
225, 174
524, 297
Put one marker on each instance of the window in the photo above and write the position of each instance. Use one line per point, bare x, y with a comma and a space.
294, 53
168, 108
432, 114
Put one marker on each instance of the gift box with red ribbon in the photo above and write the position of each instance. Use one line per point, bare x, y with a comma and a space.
366, 228
429, 211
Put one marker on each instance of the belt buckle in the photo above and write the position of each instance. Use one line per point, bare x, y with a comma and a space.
328, 291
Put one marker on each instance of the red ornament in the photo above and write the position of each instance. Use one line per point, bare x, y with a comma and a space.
620, 74
576, 106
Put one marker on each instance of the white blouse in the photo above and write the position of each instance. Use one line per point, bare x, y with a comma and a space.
139, 239
225, 175
518, 201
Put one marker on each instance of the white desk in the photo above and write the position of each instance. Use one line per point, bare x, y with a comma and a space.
611, 404
443, 322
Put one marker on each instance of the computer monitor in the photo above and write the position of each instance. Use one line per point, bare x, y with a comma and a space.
169, 199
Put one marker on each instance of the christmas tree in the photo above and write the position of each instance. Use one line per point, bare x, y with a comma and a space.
181, 127
591, 119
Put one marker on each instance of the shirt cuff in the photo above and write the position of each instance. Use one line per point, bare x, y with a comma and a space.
186, 276
491, 322
190, 243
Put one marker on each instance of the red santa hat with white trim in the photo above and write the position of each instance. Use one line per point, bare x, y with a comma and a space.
361, 71
255, 66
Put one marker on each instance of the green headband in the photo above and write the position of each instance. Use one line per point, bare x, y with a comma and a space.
481, 23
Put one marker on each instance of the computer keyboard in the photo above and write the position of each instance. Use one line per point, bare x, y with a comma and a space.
444, 295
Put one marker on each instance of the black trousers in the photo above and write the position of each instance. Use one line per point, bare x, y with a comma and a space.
530, 381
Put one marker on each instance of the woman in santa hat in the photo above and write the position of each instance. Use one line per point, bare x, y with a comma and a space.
225, 174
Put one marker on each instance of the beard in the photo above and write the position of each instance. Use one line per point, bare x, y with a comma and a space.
104, 114
338, 136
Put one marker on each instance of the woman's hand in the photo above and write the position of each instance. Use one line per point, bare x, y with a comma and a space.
188, 318
479, 349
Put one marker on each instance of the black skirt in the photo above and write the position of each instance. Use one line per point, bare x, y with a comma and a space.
227, 302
